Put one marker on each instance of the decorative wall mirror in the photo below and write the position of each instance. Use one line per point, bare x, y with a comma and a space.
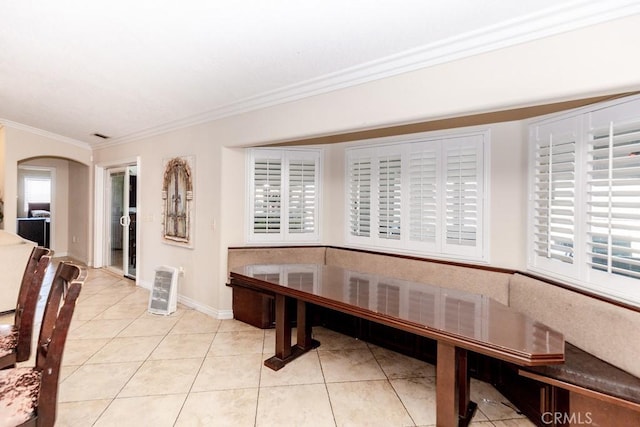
177, 198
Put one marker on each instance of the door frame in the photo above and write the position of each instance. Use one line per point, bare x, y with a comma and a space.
100, 193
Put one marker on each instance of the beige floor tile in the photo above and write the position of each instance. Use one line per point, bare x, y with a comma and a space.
220, 408
419, 397
229, 372
126, 349
237, 342
93, 382
491, 403
122, 311
297, 405
350, 365
140, 296
99, 329
330, 340
397, 365
109, 297
516, 422
76, 352
194, 322
89, 311
303, 370
65, 371
367, 403
80, 414
232, 325
157, 377
183, 346
152, 411
144, 326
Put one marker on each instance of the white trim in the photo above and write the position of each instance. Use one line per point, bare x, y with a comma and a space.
549, 22
45, 133
99, 211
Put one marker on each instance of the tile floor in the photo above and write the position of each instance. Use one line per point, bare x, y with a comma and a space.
125, 367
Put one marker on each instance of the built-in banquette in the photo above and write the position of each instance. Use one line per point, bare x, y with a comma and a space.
597, 385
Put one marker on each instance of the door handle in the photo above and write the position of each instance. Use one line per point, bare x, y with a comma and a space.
125, 220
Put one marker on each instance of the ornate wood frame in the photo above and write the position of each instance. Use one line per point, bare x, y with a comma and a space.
177, 201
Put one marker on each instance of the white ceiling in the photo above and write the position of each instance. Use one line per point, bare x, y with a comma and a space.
126, 68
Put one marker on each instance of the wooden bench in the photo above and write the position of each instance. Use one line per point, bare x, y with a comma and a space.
585, 390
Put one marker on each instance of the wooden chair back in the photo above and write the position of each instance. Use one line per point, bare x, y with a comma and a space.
32, 279
65, 288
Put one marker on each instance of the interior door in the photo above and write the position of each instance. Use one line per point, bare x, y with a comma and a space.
121, 214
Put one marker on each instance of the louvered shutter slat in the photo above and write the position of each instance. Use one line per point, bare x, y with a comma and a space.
360, 197
613, 207
267, 193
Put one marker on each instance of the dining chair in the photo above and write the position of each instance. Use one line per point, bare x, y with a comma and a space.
28, 395
15, 339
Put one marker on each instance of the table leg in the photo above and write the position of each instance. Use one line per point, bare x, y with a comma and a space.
304, 340
285, 353
453, 407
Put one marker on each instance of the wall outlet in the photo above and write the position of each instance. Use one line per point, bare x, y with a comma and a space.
181, 271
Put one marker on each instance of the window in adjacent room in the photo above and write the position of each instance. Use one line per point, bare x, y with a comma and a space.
37, 189
284, 190
584, 221
425, 195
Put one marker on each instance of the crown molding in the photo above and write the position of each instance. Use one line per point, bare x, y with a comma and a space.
552, 21
47, 134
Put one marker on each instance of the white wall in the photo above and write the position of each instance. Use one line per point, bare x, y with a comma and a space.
20, 145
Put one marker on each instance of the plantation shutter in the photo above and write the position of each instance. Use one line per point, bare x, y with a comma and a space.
360, 196
462, 194
302, 196
613, 199
423, 194
554, 196
389, 194
267, 185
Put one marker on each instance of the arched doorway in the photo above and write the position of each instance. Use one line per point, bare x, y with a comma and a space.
53, 199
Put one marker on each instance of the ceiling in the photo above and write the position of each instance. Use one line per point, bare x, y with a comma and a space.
127, 69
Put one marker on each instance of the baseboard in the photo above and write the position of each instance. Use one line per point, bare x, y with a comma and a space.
191, 303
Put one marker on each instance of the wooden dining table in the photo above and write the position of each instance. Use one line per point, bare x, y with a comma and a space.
459, 321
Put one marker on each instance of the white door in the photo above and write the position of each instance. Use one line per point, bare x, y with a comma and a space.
121, 220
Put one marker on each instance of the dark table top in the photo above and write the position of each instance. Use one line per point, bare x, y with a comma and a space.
472, 321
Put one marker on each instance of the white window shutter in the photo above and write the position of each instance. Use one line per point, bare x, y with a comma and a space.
463, 195
302, 195
284, 195
389, 196
613, 199
359, 169
423, 193
267, 201
554, 196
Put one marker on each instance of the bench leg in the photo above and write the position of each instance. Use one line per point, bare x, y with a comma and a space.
554, 401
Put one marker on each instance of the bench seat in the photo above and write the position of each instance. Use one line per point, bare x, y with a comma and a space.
584, 370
